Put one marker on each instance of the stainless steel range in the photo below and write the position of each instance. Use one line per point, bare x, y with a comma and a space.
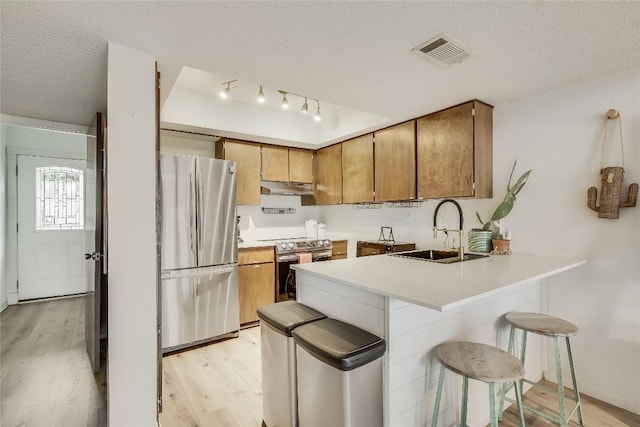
288, 249
291, 251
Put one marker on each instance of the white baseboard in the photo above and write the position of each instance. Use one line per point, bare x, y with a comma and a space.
630, 405
12, 298
3, 306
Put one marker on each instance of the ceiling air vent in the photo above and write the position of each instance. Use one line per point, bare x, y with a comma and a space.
443, 50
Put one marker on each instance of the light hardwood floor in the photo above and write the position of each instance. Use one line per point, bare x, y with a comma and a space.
46, 380
45, 375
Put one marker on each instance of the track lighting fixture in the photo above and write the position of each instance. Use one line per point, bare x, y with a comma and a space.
224, 93
316, 116
226, 89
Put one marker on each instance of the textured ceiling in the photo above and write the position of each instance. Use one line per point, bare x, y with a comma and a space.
353, 54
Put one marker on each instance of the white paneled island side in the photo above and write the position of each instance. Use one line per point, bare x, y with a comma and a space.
416, 305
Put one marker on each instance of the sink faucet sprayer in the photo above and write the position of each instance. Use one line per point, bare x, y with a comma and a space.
460, 224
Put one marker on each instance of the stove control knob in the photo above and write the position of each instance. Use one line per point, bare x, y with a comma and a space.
327, 242
321, 242
290, 245
283, 246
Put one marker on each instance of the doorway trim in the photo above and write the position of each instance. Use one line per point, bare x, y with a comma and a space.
12, 209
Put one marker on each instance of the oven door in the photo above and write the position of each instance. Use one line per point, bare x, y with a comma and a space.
286, 276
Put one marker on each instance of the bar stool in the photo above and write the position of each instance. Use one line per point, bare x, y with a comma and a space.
480, 362
555, 328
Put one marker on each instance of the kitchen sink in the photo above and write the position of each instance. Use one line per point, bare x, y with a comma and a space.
442, 257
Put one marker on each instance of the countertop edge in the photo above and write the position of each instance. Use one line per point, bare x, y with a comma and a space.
572, 263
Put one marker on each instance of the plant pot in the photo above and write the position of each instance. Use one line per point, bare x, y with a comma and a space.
480, 240
501, 246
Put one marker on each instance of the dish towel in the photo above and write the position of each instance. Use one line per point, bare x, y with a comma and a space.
304, 257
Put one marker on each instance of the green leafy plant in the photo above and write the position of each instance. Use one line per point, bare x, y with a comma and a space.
505, 207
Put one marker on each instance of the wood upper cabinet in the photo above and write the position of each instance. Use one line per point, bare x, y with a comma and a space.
287, 164
275, 163
455, 152
300, 165
247, 158
357, 169
395, 162
328, 189
256, 280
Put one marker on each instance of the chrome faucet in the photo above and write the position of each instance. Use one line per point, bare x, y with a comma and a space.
460, 224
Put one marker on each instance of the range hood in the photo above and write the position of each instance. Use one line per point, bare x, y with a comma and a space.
286, 188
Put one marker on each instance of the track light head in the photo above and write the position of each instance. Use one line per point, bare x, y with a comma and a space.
316, 116
260, 95
224, 93
305, 106
285, 102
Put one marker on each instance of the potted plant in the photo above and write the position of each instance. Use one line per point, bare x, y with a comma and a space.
501, 241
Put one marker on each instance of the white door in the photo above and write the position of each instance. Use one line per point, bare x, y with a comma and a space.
50, 227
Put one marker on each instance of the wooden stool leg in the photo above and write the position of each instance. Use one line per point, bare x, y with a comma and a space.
519, 403
465, 398
436, 408
562, 413
523, 354
492, 405
575, 383
503, 387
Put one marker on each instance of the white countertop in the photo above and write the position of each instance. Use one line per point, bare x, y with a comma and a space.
439, 286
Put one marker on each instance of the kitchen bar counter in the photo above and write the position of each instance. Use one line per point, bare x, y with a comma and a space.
416, 305
439, 286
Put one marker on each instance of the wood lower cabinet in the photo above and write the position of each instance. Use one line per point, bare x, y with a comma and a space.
455, 152
300, 165
395, 162
256, 277
339, 250
328, 188
247, 158
357, 170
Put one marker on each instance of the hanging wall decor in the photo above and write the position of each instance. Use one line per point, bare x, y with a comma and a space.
611, 181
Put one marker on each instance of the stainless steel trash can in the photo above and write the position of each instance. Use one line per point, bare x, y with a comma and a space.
279, 397
339, 375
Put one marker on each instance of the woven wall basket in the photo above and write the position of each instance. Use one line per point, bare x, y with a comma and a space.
611, 182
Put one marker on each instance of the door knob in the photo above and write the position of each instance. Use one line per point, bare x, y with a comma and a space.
94, 256
88, 256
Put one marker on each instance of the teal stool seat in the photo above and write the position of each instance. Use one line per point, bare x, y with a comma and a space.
554, 328
479, 362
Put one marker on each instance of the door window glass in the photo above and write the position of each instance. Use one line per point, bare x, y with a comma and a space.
59, 198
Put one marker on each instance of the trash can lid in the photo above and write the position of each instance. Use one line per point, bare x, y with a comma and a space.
339, 344
287, 315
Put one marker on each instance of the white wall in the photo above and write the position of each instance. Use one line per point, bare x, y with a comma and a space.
558, 134
3, 216
31, 138
22, 139
133, 348
187, 145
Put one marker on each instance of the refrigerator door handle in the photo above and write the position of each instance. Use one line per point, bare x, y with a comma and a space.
199, 211
192, 226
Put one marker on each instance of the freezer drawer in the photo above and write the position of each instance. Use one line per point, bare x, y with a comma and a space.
199, 305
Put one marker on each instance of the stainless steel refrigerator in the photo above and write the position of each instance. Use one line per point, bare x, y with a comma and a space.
199, 254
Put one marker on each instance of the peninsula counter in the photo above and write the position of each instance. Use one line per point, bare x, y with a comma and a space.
415, 305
